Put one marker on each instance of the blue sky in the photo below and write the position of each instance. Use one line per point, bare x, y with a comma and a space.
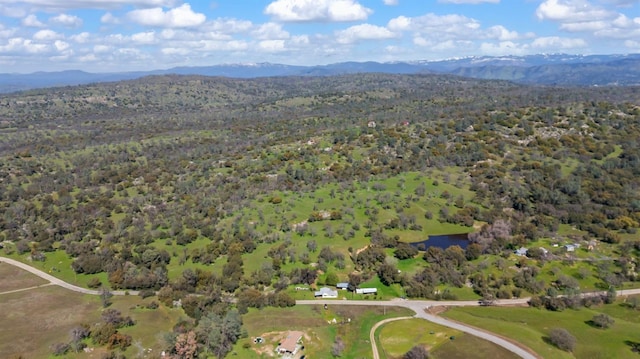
119, 35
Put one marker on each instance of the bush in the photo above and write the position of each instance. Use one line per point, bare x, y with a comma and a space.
146, 293
602, 321
94, 283
60, 349
417, 352
562, 339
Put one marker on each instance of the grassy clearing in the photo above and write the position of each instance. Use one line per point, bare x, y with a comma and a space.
15, 278
48, 314
531, 327
352, 324
396, 338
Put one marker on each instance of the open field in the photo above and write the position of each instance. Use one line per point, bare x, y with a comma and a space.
49, 313
396, 338
352, 325
531, 327
15, 278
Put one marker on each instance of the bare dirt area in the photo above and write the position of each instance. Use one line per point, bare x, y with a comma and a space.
270, 343
12, 278
34, 320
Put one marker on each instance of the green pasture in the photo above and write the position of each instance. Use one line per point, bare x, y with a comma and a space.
531, 326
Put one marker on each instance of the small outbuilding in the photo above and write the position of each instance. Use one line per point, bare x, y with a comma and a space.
342, 286
367, 290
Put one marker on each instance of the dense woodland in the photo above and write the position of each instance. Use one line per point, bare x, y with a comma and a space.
171, 184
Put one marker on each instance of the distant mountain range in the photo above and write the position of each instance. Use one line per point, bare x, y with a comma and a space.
555, 70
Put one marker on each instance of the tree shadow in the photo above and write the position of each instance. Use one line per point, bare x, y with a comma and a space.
635, 346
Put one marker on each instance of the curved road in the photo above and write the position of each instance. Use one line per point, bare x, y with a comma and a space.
372, 334
60, 282
418, 306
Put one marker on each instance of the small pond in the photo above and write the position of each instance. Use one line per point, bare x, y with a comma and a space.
444, 241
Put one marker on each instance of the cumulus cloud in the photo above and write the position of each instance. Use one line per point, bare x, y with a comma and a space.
144, 37
363, 32
441, 27
81, 38
108, 18
501, 33
501, 48
571, 11
32, 21
468, 1
61, 45
22, 45
271, 45
181, 16
91, 4
390, 2
270, 31
46, 35
556, 42
317, 10
66, 20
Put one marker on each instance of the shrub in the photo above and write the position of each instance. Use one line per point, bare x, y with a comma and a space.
94, 283
562, 339
602, 321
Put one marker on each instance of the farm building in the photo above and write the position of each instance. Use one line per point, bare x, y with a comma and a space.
325, 292
342, 286
367, 290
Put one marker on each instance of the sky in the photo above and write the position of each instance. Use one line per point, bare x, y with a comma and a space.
120, 35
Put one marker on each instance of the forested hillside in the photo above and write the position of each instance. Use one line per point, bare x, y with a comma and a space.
218, 186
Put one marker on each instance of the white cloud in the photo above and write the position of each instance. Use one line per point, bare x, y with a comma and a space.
10, 11
22, 45
81, 38
317, 10
363, 32
556, 42
438, 27
46, 35
66, 20
271, 45
61, 45
102, 49
181, 16
270, 31
32, 21
144, 37
501, 33
590, 26
228, 26
108, 18
390, 2
501, 48
468, 1
571, 11
91, 4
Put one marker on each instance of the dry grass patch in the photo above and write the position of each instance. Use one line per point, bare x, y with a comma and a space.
34, 320
15, 278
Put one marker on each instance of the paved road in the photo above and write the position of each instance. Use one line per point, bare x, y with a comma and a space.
60, 282
418, 306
